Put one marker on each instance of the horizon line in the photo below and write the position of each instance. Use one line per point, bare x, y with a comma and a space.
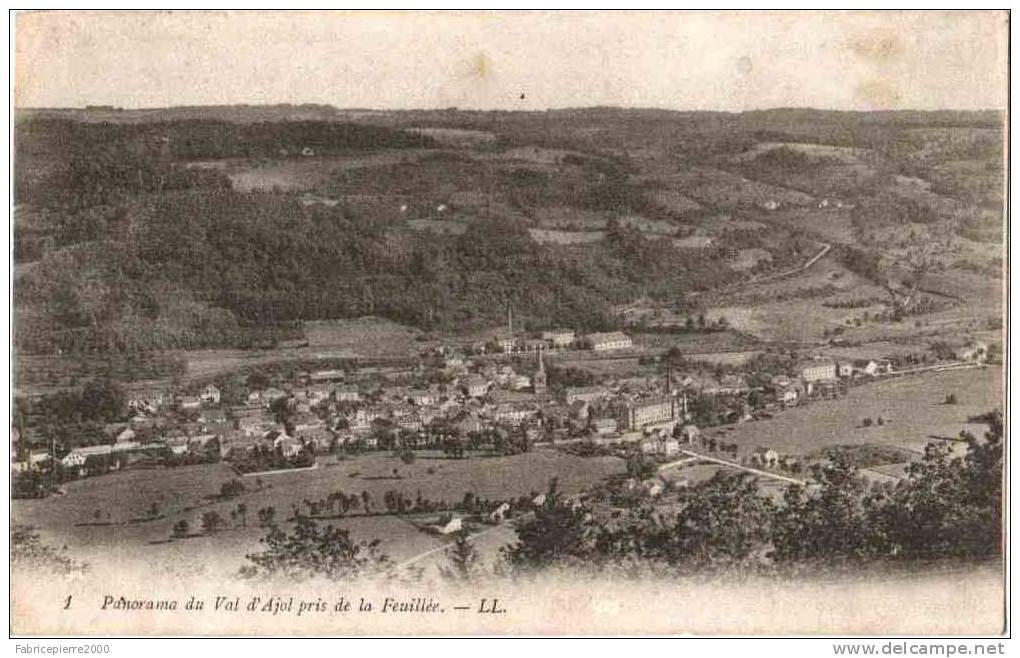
453, 108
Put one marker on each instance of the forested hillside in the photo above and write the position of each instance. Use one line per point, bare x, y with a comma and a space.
202, 232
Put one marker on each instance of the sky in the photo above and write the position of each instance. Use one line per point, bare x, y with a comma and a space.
728, 61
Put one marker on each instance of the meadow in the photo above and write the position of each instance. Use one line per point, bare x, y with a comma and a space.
122, 529
912, 408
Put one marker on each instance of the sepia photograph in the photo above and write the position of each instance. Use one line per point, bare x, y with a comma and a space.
509, 323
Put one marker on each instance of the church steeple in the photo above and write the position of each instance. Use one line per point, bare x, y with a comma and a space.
540, 377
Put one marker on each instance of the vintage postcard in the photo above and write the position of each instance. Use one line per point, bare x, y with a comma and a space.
508, 323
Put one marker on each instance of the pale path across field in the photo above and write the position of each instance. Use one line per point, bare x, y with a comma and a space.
507, 528
725, 462
811, 261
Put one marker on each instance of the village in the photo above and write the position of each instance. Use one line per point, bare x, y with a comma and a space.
468, 400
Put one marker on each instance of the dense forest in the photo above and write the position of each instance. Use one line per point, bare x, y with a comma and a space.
197, 268
125, 248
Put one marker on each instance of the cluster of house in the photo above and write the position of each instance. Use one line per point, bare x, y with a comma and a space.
93, 459
326, 409
821, 375
323, 410
508, 342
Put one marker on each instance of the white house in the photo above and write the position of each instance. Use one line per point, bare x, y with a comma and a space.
611, 340
867, 367
690, 433
653, 487
347, 394
513, 414
500, 512
976, 351
422, 397
454, 524
520, 382
788, 395
586, 394
817, 371
77, 457
327, 375
179, 445
766, 457
35, 461
476, 387
505, 342
210, 395
287, 445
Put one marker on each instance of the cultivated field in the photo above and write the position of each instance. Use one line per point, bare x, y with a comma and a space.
566, 237
437, 226
367, 336
308, 173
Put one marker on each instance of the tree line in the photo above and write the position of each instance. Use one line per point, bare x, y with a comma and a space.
947, 509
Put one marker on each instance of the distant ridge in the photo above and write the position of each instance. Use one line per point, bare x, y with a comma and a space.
231, 113
244, 113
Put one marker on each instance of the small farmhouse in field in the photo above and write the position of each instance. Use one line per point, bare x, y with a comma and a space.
976, 351
77, 457
766, 457
448, 525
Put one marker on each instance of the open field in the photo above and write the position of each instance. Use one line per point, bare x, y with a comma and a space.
565, 237
834, 225
458, 138
717, 188
785, 320
693, 242
308, 173
367, 335
776, 309
695, 343
724, 358
567, 218
675, 202
437, 226
911, 406
841, 154
184, 493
